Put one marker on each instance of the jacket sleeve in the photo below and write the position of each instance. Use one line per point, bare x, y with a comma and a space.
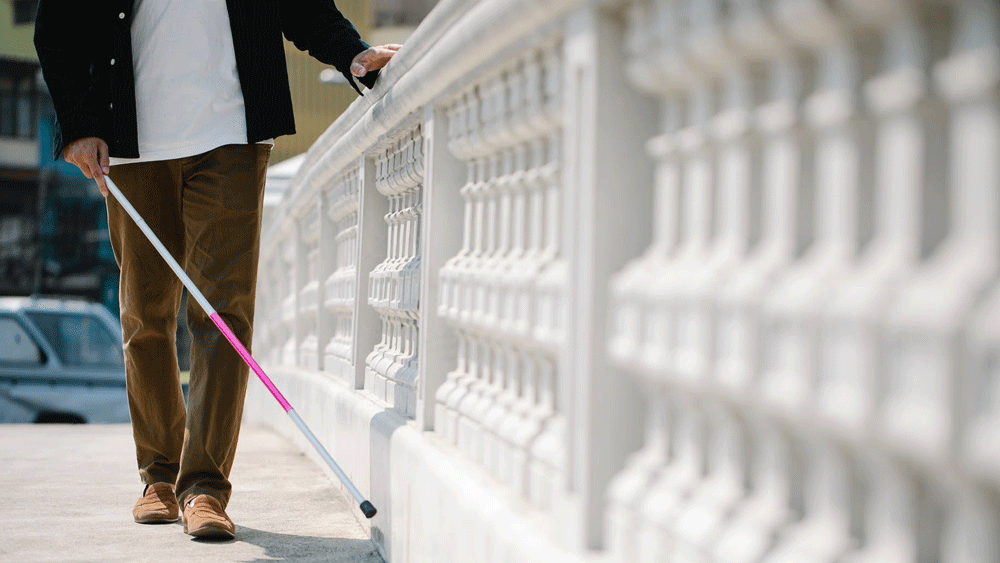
318, 27
64, 39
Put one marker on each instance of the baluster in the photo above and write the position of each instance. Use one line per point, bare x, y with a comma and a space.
791, 381
641, 335
493, 409
289, 289
509, 414
548, 451
951, 286
713, 502
469, 429
665, 497
677, 309
852, 351
773, 475
308, 235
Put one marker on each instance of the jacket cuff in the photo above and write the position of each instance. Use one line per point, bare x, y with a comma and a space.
78, 128
368, 80
348, 52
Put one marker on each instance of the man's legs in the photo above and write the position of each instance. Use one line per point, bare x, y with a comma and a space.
222, 201
149, 295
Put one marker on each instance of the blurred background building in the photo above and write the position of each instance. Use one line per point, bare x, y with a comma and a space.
53, 230
19, 161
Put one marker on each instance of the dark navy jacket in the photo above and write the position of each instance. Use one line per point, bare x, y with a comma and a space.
76, 41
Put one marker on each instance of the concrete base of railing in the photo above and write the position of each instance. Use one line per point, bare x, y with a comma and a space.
433, 504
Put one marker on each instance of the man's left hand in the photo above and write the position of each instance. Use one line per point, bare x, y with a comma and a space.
373, 58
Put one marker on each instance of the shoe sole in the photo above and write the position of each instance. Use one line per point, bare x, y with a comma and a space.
209, 531
157, 519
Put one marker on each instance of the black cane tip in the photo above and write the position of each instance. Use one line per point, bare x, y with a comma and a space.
368, 509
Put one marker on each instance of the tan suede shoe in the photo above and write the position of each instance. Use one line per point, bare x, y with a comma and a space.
205, 518
157, 505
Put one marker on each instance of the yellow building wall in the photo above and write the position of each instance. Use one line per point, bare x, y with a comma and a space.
15, 40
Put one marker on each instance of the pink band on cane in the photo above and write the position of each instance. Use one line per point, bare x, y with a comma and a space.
250, 361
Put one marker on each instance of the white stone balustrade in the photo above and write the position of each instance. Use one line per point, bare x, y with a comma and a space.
658, 281
394, 285
807, 391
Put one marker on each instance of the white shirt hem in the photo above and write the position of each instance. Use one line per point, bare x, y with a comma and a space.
184, 152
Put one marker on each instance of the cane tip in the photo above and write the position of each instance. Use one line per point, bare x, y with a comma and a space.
368, 509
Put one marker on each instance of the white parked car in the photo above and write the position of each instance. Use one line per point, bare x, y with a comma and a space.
60, 361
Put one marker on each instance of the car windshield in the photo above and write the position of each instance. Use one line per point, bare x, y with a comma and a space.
80, 340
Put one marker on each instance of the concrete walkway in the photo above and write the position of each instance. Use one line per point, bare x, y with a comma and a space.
66, 495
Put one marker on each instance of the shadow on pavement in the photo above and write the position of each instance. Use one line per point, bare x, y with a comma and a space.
288, 547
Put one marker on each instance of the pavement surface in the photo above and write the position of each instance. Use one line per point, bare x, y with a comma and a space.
66, 495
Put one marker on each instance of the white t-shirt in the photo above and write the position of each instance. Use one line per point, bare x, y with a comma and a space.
187, 91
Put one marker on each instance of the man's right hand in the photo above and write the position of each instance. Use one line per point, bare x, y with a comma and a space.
90, 155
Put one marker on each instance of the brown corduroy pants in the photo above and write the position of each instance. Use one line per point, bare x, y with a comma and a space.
206, 210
